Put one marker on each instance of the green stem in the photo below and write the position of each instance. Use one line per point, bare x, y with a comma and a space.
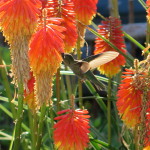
11, 143
79, 81
7, 87
100, 103
35, 130
117, 79
136, 137
19, 117
147, 34
30, 116
143, 4
80, 94
113, 46
50, 131
52, 116
109, 110
50, 127
58, 89
130, 38
69, 89
6, 111
115, 14
40, 127
25, 144
33, 123
115, 8
98, 98
63, 89
143, 120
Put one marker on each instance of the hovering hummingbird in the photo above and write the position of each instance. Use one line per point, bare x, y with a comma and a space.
82, 68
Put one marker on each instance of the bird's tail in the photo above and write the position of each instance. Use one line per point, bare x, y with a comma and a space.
99, 86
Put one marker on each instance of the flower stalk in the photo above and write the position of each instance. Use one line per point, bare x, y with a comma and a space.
19, 117
98, 98
33, 127
109, 109
115, 13
79, 81
115, 8
58, 89
147, 34
142, 129
40, 127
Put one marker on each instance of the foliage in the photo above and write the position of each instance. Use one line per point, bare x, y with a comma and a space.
51, 101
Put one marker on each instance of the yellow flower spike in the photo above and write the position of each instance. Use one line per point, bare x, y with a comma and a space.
111, 30
44, 54
18, 20
85, 11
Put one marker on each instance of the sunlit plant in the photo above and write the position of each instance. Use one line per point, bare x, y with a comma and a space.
52, 112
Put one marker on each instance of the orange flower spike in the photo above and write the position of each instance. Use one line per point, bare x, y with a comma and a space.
129, 100
44, 54
18, 20
68, 14
85, 10
71, 131
65, 10
46, 46
18, 17
148, 9
111, 30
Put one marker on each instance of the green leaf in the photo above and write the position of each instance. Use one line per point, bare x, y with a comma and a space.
98, 145
95, 146
128, 57
5, 99
130, 38
104, 79
143, 4
5, 136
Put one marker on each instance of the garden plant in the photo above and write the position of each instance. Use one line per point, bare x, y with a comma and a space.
51, 98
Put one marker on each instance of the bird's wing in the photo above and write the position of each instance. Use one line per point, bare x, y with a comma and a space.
100, 59
83, 66
92, 57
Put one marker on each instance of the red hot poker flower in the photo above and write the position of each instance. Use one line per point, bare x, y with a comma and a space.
134, 97
68, 14
45, 48
111, 30
134, 100
71, 131
65, 10
18, 20
85, 11
129, 100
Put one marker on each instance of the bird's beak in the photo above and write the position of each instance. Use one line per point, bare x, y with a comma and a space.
63, 55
